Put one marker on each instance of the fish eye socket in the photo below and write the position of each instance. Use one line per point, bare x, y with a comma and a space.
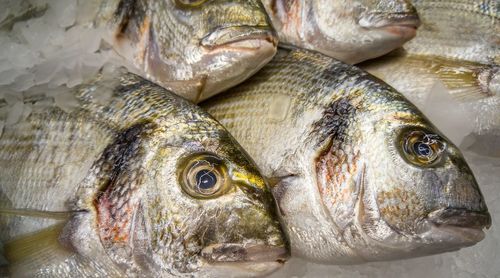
204, 176
423, 148
190, 3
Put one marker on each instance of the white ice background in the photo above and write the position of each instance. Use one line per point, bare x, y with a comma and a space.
55, 50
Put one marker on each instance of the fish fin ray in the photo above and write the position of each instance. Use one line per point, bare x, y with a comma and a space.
29, 253
56, 215
463, 80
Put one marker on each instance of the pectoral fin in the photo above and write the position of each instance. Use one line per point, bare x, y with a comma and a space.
28, 254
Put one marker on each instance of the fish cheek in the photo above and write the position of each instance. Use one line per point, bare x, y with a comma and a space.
401, 209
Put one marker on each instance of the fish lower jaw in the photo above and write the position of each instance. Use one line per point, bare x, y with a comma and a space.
241, 260
453, 236
240, 269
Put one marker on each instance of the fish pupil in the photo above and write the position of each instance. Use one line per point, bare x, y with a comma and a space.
422, 149
206, 179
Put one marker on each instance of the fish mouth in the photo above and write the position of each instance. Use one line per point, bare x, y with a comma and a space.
229, 253
408, 22
447, 230
239, 36
461, 218
244, 260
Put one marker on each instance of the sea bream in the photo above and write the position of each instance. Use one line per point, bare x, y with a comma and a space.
196, 48
351, 31
359, 173
119, 177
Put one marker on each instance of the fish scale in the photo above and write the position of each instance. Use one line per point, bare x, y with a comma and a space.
39, 167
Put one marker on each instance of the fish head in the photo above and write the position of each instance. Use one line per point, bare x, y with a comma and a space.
197, 48
374, 180
351, 31
419, 197
223, 204
392, 184
184, 200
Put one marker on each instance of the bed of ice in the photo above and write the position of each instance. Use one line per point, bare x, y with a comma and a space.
55, 50
60, 47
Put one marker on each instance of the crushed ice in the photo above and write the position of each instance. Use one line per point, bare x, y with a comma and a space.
53, 50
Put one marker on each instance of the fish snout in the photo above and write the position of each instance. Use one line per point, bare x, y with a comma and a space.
240, 37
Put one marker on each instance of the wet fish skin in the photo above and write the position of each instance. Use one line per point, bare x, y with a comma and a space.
99, 185
196, 50
458, 29
351, 31
336, 144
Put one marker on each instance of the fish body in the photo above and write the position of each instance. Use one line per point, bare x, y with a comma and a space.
464, 30
194, 48
358, 172
351, 31
120, 177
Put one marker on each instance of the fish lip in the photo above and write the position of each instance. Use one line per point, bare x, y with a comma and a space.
230, 253
225, 36
383, 20
460, 218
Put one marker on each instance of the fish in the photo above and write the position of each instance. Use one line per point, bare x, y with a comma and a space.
120, 177
351, 31
194, 48
358, 172
458, 29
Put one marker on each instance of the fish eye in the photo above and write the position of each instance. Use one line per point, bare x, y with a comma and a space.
423, 148
204, 176
190, 3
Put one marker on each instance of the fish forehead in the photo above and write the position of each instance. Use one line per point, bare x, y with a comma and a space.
198, 21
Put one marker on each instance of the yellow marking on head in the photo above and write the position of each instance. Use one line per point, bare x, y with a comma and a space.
249, 178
